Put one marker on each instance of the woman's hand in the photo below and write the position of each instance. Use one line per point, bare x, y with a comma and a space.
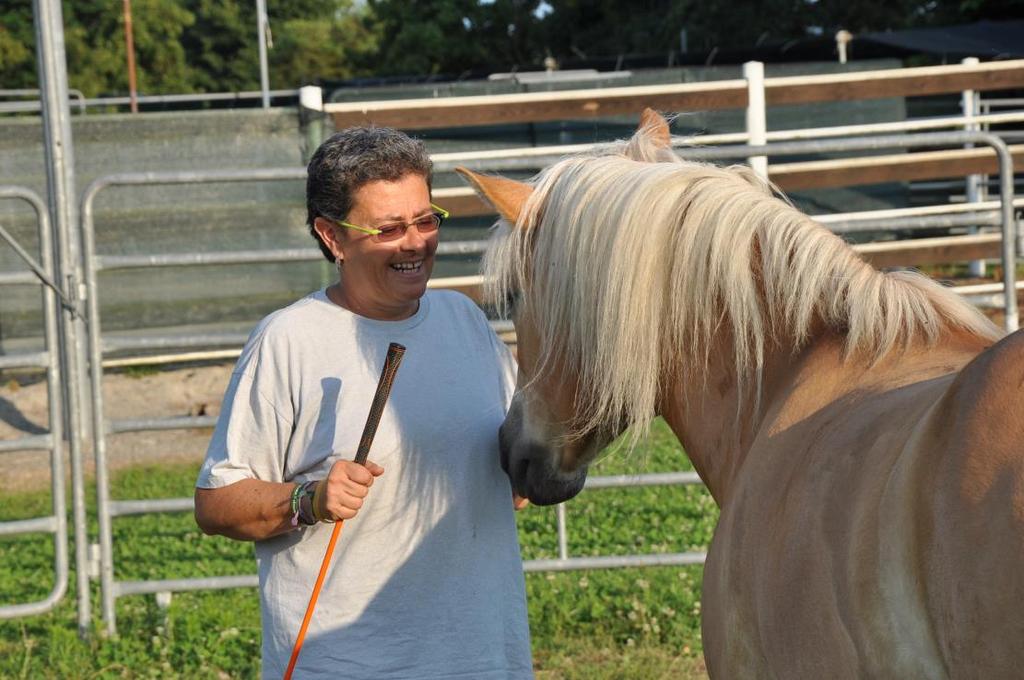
341, 494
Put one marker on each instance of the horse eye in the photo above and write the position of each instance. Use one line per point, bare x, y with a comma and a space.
512, 298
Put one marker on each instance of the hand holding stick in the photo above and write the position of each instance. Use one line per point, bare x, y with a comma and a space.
380, 398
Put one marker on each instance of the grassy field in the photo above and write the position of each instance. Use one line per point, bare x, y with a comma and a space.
626, 623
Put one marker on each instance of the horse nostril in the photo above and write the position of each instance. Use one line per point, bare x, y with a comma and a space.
517, 475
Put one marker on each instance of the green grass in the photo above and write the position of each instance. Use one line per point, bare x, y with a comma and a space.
600, 624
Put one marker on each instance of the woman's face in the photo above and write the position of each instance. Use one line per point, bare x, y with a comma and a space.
385, 280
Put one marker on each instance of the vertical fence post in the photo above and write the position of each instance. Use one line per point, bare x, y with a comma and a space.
311, 115
53, 86
563, 538
973, 184
311, 118
757, 119
261, 34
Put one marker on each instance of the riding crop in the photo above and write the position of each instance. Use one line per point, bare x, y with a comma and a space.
387, 376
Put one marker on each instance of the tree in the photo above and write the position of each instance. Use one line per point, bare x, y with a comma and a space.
184, 46
96, 51
341, 43
455, 36
210, 45
17, 46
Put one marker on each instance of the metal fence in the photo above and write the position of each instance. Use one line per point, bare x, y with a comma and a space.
40, 273
108, 508
62, 342
279, 97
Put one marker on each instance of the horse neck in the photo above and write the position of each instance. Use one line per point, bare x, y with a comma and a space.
718, 415
717, 421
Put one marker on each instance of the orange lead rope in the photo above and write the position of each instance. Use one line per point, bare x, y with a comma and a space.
387, 376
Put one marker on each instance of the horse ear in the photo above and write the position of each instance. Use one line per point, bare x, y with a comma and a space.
655, 126
507, 196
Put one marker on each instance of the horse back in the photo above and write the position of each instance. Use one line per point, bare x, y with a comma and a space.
972, 511
883, 534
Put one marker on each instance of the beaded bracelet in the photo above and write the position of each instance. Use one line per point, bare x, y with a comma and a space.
302, 504
320, 504
306, 513
296, 492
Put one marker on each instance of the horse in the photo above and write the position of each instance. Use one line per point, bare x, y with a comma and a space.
861, 431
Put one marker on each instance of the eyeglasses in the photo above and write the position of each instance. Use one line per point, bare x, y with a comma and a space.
427, 224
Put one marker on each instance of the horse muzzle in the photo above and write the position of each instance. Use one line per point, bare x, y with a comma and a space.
533, 466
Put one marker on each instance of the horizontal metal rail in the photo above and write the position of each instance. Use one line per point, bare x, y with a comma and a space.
12, 107
564, 563
25, 360
151, 505
36, 525
651, 479
150, 342
973, 219
983, 207
83, 103
152, 424
988, 295
186, 98
173, 358
111, 262
178, 585
615, 562
34, 442
17, 279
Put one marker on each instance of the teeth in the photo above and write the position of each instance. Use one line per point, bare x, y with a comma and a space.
407, 266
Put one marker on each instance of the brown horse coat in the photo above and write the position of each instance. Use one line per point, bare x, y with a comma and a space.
863, 433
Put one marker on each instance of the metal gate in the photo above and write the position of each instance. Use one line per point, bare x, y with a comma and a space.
40, 273
108, 509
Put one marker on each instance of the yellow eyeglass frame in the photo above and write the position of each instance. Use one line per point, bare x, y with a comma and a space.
440, 212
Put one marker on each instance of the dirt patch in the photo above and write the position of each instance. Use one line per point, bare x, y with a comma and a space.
133, 394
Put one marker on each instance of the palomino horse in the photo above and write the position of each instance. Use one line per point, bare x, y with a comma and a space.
862, 432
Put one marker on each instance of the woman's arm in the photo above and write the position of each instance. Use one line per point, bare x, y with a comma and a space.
248, 510
252, 510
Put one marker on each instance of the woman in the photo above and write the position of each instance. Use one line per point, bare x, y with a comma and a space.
427, 582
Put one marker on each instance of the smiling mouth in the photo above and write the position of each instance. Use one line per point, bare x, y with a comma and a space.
408, 267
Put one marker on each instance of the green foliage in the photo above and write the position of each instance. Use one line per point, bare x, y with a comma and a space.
141, 370
210, 45
455, 36
96, 51
341, 46
17, 45
184, 46
584, 624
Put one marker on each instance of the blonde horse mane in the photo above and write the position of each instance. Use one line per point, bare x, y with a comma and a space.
634, 260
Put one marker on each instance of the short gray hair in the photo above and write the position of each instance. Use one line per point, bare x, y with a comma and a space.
351, 158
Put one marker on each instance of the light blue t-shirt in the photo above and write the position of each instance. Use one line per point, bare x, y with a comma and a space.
426, 582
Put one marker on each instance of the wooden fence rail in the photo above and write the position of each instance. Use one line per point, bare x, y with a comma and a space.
411, 114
